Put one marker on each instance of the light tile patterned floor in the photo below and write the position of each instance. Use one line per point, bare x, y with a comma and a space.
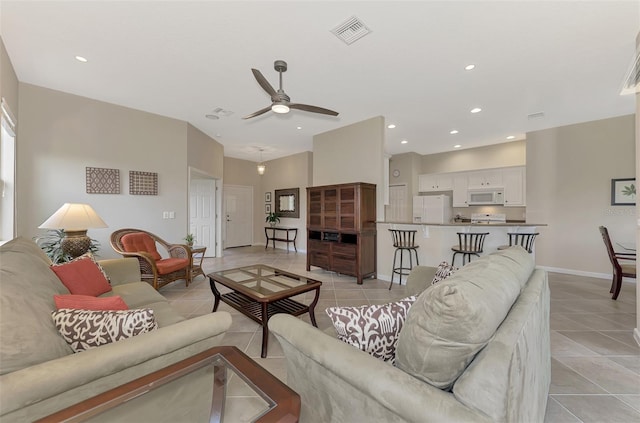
595, 360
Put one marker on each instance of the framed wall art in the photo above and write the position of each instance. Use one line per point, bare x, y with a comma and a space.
267, 197
267, 208
623, 192
101, 180
143, 183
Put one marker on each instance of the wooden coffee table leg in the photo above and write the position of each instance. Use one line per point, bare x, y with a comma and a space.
312, 308
216, 295
265, 330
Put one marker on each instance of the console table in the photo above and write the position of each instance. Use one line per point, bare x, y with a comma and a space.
270, 232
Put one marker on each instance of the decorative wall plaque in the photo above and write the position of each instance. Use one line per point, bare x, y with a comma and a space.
143, 183
101, 180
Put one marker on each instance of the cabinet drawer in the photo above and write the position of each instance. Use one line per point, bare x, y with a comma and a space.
319, 259
348, 250
318, 246
344, 265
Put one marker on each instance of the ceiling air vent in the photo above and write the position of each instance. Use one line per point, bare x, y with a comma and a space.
351, 30
631, 83
536, 115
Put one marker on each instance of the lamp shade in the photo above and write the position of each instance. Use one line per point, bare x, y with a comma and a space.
74, 217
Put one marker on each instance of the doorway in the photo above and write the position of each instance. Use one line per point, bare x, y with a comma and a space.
238, 215
202, 211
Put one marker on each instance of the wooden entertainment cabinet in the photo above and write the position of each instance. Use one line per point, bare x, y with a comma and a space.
341, 229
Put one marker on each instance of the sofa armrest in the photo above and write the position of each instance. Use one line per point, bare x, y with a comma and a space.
419, 279
338, 382
122, 270
99, 369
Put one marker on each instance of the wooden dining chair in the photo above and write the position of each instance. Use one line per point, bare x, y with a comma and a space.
620, 262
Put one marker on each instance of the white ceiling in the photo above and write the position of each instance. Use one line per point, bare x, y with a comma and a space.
183, 59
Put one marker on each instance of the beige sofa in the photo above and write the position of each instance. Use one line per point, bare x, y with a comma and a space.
474, 348
39, 373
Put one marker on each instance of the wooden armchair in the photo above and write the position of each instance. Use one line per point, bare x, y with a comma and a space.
620, 262
156, 270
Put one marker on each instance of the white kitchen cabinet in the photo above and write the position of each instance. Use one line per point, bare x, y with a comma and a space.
460, 186
435, 182
485, 179
514, 186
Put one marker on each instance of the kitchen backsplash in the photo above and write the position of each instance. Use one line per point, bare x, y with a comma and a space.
513, 213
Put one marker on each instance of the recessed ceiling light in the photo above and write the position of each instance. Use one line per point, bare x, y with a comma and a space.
511, 137
391, 126
298, 127
404, 142
81, 59
476, 110
453, 132
469, 67
457, 146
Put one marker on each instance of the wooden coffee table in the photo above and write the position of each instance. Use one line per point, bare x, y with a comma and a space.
260, 291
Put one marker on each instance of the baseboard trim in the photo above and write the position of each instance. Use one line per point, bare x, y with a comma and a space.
574, 272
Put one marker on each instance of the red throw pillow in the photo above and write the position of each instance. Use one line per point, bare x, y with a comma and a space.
82, 276
86, 302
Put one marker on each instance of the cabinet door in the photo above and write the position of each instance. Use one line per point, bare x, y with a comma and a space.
485, 179
330, 208
347, 208
426, 183
314, 208
460, 187
493, 178
514, 186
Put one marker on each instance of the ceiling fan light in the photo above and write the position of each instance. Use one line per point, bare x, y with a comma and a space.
280, 108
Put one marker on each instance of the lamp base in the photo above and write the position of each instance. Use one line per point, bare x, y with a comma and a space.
75, 243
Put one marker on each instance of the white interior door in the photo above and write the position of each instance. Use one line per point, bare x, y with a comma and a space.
202, 202
238, 215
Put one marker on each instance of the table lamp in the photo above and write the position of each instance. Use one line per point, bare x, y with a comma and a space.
74, 220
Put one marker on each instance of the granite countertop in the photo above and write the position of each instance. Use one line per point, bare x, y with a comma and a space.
467, 222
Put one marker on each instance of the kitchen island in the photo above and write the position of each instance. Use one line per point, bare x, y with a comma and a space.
436, 240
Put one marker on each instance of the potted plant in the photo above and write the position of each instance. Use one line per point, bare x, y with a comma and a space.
189, 239
51, 244
272, 218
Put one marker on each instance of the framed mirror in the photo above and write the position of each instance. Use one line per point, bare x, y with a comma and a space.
287, 202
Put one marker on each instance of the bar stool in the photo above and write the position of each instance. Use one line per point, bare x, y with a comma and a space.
469, 243
403, 240
524, 240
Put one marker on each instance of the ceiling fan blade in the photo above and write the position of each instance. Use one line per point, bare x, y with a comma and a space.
264, 84
313, 109
258, 113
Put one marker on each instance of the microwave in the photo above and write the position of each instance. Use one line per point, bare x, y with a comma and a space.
485, 197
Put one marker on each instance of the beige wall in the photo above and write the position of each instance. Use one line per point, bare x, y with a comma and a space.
61, 134
204, 153
287, 172
353, 153
498, 155
569, 172
8, 80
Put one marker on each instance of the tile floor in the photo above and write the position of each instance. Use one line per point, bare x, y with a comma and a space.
595, 373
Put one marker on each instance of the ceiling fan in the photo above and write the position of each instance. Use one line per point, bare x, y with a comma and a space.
280, 101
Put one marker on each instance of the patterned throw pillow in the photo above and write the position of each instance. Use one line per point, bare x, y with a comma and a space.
372, 328
443, 272
85, 329
83, 276
87, 302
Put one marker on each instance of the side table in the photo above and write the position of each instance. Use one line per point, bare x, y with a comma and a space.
197, 256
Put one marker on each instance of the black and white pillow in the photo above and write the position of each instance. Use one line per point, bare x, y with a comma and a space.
85, 329
443, 272
372, 328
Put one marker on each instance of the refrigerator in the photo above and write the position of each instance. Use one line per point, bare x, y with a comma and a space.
432, 209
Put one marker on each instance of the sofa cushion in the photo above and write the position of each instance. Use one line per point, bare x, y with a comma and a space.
27, 287
443, 271
372, 328
142, 295
85, 329
87, 302
83, 276
454, 319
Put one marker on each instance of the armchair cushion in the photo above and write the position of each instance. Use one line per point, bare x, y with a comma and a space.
82, 276
85, 329
139, 241
169, 265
